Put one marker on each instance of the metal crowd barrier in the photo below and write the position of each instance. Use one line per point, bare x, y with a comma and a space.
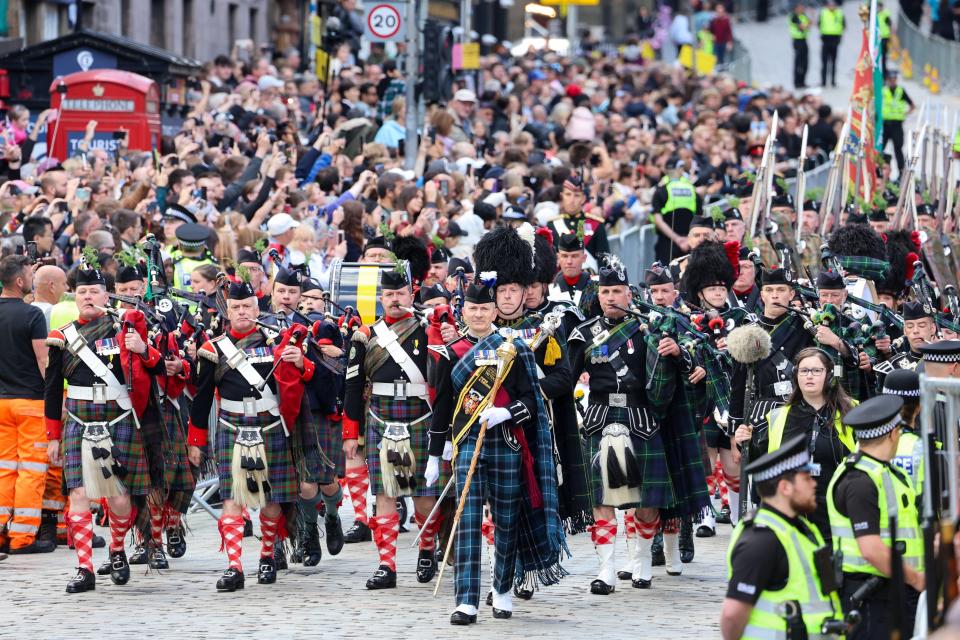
740, 65
927, 49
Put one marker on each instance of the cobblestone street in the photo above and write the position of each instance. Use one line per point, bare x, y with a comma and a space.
331, 598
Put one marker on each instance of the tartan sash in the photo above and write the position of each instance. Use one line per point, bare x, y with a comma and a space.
92, 332
377, 356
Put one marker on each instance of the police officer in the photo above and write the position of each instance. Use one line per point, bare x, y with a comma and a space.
884, 25
831, 29
192, 253
675, 202
865, 492
777, 556
799, 25
897, 105
910, 459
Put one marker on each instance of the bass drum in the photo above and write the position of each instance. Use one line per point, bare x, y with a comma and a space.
356, 286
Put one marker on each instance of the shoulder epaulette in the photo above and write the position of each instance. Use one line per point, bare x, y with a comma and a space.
208, 352
56, 339
595, 217
361, 334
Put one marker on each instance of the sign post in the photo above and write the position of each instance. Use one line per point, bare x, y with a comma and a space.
383, 20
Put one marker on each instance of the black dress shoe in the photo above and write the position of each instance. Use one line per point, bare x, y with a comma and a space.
139, 555
158, 559
703, 531
490, 598
119, 567
104, 569
383, 578
98, 542
686, 541
523, 594
37, 546
359, 532
500, 614
656, 551
231, 580
311, 548
280, 557
267, 574
333, 530
83, 581
462, 619
601, 588
176, 542
624, 575
723, 517
426, 566
640, 583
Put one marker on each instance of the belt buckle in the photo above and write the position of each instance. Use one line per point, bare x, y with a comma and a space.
99, 393
250, 407
249, 436
396, 431
617, 400
95, 430
400, 389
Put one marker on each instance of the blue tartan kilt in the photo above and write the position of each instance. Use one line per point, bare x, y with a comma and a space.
402, 411
323, 450
656, 488
176, 466
126, 439
282, 474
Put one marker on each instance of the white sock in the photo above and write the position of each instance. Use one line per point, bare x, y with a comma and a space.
709, 520
468, 609
503, 601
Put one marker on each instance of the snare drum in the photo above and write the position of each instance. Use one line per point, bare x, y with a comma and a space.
357, 285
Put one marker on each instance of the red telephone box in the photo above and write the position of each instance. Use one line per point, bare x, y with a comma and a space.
115, 99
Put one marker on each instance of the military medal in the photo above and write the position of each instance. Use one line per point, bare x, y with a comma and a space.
416, 347
630, 346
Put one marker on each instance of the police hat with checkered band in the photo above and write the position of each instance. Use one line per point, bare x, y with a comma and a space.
944, 351
902, 382
875, 418
793, 455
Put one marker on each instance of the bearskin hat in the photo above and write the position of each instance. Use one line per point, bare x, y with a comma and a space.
857, 240
415, 252
503, 251
707, 265
901, 253
545, 259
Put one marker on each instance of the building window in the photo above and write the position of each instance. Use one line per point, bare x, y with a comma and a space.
254, 26
51, 21
125, 18
158, 36
231, 24
189, 43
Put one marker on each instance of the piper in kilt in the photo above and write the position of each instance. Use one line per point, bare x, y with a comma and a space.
260, 387
107, 369
574, 283
515, 471
325, 449
388, 364
633, 379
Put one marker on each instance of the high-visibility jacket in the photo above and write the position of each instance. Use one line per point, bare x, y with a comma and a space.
803, 583
831, 22
777, 420
909, 458
184, 266
681, 194
894, 105
895, 495
883, 26
798, 32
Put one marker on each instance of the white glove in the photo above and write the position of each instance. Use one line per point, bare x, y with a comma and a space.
494, 416
447, 451
432, 473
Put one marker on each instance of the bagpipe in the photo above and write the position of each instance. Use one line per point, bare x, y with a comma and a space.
317, 334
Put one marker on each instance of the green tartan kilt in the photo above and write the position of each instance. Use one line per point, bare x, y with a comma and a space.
126, 439
407, 410
656, 488
282, 474
323, 457
176, 466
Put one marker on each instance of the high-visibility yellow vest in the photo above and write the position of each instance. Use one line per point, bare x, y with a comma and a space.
680, 195
777, 420
909, 459
883, 26
894, 106
831, 22
183, 267
796, 32
894, 495
956, 142
803, 583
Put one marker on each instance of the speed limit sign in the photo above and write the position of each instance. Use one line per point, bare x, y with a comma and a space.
383, 20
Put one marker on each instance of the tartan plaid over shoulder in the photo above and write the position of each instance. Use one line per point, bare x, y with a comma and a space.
540, 535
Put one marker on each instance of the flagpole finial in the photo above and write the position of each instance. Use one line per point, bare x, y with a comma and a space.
864, 13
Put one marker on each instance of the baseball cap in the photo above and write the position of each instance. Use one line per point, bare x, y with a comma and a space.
465, 95
281, 223
269, 82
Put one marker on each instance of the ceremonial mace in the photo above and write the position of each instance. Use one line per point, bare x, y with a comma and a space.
506, 352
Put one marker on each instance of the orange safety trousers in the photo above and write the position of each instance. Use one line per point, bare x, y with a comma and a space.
23, 469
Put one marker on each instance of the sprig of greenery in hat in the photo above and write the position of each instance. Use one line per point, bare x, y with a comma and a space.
813, 193
130, 256
90, 258
260, 245
386, 232
580, 231
242, 273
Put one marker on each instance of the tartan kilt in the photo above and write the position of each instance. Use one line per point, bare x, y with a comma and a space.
282, 474
176, 466
323, 450
656, 489
126, 438
402, 411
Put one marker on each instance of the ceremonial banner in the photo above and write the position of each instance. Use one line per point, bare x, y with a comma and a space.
862, 124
